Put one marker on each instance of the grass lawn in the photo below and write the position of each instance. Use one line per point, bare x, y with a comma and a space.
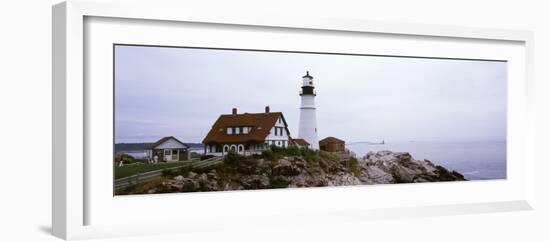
129, 170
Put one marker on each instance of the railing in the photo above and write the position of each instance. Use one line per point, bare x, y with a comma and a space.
125, 182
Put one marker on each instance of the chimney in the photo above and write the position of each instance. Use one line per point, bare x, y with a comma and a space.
234, 111
267, 109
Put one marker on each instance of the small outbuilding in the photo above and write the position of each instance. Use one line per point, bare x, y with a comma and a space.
332, 144
168, 149
299, 142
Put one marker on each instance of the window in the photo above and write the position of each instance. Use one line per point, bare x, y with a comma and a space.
246, 130
237, 130
229, 130
166, 152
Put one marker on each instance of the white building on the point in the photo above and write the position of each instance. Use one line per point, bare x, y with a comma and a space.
308, 118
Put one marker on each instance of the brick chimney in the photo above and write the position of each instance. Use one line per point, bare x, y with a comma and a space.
267, 109
234, 111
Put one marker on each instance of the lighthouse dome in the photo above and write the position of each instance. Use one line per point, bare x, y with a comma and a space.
307, 75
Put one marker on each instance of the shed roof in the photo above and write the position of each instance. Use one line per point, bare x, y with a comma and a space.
331, 139
164, 139
300, 142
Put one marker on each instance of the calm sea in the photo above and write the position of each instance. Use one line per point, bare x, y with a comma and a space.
475, 160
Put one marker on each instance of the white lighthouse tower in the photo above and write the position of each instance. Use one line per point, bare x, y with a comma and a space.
308, 117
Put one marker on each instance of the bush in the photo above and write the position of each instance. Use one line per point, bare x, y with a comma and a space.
204, 157
126, 159
232, 157
185, 170
309, 155
167, 173
354, 166
329, 156
293, 151
272, 155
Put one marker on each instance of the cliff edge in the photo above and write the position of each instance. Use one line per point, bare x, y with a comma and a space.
295, 170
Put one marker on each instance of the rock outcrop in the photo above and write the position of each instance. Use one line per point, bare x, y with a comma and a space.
400, 167
381, 167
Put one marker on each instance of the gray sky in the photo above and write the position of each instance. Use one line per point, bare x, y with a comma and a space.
181, 92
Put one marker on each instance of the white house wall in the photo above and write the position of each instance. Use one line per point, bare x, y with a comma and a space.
280, 140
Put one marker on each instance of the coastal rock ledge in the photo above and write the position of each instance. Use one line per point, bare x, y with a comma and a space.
382, 167
400, 167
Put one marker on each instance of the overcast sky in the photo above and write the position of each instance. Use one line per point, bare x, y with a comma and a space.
181, 92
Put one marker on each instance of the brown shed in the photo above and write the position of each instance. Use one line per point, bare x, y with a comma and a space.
332, 144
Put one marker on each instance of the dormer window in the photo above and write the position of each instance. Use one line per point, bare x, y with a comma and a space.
230, 130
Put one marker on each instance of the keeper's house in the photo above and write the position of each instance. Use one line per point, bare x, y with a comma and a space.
247, 133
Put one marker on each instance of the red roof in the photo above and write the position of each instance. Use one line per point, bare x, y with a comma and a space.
261, 124
300, 142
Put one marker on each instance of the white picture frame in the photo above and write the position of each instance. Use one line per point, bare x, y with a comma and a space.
71, 191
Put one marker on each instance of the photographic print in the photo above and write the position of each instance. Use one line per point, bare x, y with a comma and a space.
191, 119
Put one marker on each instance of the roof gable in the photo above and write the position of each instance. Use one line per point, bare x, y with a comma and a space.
168, 142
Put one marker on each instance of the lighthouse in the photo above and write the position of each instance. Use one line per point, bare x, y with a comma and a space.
308, 118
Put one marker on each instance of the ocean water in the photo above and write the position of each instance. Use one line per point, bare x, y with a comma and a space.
475, 160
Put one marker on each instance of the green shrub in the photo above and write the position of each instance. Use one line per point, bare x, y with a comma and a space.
127, 159
232, 157
354, 166
204, 157
167, 173
328, 156
185, 170
272, 155
293, 151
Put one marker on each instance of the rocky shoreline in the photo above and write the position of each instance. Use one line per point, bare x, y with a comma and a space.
382, 167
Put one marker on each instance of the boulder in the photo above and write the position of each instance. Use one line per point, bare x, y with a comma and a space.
254, 182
